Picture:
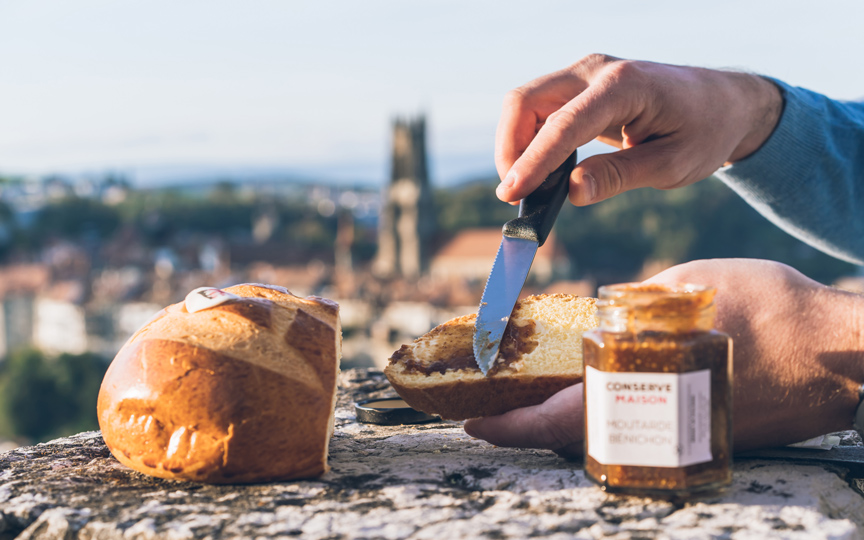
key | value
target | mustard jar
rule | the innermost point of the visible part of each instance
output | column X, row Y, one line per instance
column 658, row 392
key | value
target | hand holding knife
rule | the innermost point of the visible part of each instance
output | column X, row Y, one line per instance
column 522, row 237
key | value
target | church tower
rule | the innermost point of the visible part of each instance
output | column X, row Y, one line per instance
column 407, row 219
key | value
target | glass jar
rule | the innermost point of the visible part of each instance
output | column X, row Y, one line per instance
column 658, row 392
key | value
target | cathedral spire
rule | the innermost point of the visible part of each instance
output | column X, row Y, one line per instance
column 407, row 220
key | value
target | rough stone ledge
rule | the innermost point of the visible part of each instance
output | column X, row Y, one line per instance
column 424, row 481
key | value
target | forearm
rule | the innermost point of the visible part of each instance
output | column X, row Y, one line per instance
column 808, row 177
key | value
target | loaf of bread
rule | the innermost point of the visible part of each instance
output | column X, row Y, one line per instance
column 230, row 386
column 540, row 354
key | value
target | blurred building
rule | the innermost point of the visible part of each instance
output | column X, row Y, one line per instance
column 470, row 254
column 59, row 326
column 57, row 316
column 407, row 217
column 20, row 285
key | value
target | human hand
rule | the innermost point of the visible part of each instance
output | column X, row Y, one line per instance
column 675, row 125
column 556, row 424
column 798, row 349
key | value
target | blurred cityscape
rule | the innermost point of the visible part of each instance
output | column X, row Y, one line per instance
column 87, row 260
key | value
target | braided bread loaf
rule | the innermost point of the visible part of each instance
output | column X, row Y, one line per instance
column 242, row 390
column 540, row 354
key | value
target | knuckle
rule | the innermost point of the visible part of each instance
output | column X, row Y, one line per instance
column 624, row 70
column 683, row 273
column 594, row 61
column 616, row 171
column 532, row 160
column 561, row 120
column 688, row 272
column 555, row 434
column 516, row 98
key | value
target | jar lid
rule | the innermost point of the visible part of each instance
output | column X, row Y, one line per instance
column 646, row 293
column 389, row 412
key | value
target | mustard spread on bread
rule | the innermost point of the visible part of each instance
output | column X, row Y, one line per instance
column 540, row 354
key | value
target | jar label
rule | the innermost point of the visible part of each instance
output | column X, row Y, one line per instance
column 648, row 419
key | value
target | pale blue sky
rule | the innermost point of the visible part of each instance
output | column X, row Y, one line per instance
column 140, row 85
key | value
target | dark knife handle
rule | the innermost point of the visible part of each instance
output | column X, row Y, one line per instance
column 539, row 210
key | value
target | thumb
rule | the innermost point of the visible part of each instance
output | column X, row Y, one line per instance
column 555, row 424
column 652, row 164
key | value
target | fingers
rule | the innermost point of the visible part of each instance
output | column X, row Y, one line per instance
column 545, row 108
column 526, row 108
column 572, row 125
column 556, row 424
column 596, row 111
column 520, row 120
column 672, row 123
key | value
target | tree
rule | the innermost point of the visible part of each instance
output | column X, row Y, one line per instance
column 73, row 217
column 42, row 397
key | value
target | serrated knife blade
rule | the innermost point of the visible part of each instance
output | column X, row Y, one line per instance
column 513, row 262
column 521, row 239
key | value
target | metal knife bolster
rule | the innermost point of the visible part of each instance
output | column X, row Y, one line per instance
column 539, row 210
column 522, row 237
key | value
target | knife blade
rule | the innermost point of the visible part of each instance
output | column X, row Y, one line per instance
column 520, row 240
column 851, row 457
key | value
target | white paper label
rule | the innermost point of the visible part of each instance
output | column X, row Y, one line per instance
column 206, row 298
column 648, row 419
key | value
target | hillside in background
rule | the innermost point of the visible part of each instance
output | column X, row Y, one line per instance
column 616, row 240
column 648, row 229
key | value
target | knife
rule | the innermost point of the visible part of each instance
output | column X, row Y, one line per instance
column 851, row 457
column 521, row 238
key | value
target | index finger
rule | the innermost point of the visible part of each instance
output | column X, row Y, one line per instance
column 524, row 111
column 527, row 107
column 590, row 114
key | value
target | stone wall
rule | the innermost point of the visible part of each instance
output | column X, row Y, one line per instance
column 422, row 481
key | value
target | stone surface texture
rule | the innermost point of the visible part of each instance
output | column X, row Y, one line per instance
column 423, row 481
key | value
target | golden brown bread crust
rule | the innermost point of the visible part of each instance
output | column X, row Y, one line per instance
column 463, row 399
column 541, row 354
column 242, row 392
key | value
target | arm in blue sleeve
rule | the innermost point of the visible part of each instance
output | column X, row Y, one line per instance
column 808, row 177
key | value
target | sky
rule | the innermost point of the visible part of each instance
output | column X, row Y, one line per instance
column 160, row 89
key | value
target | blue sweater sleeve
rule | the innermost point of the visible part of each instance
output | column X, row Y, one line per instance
column 808, row 177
